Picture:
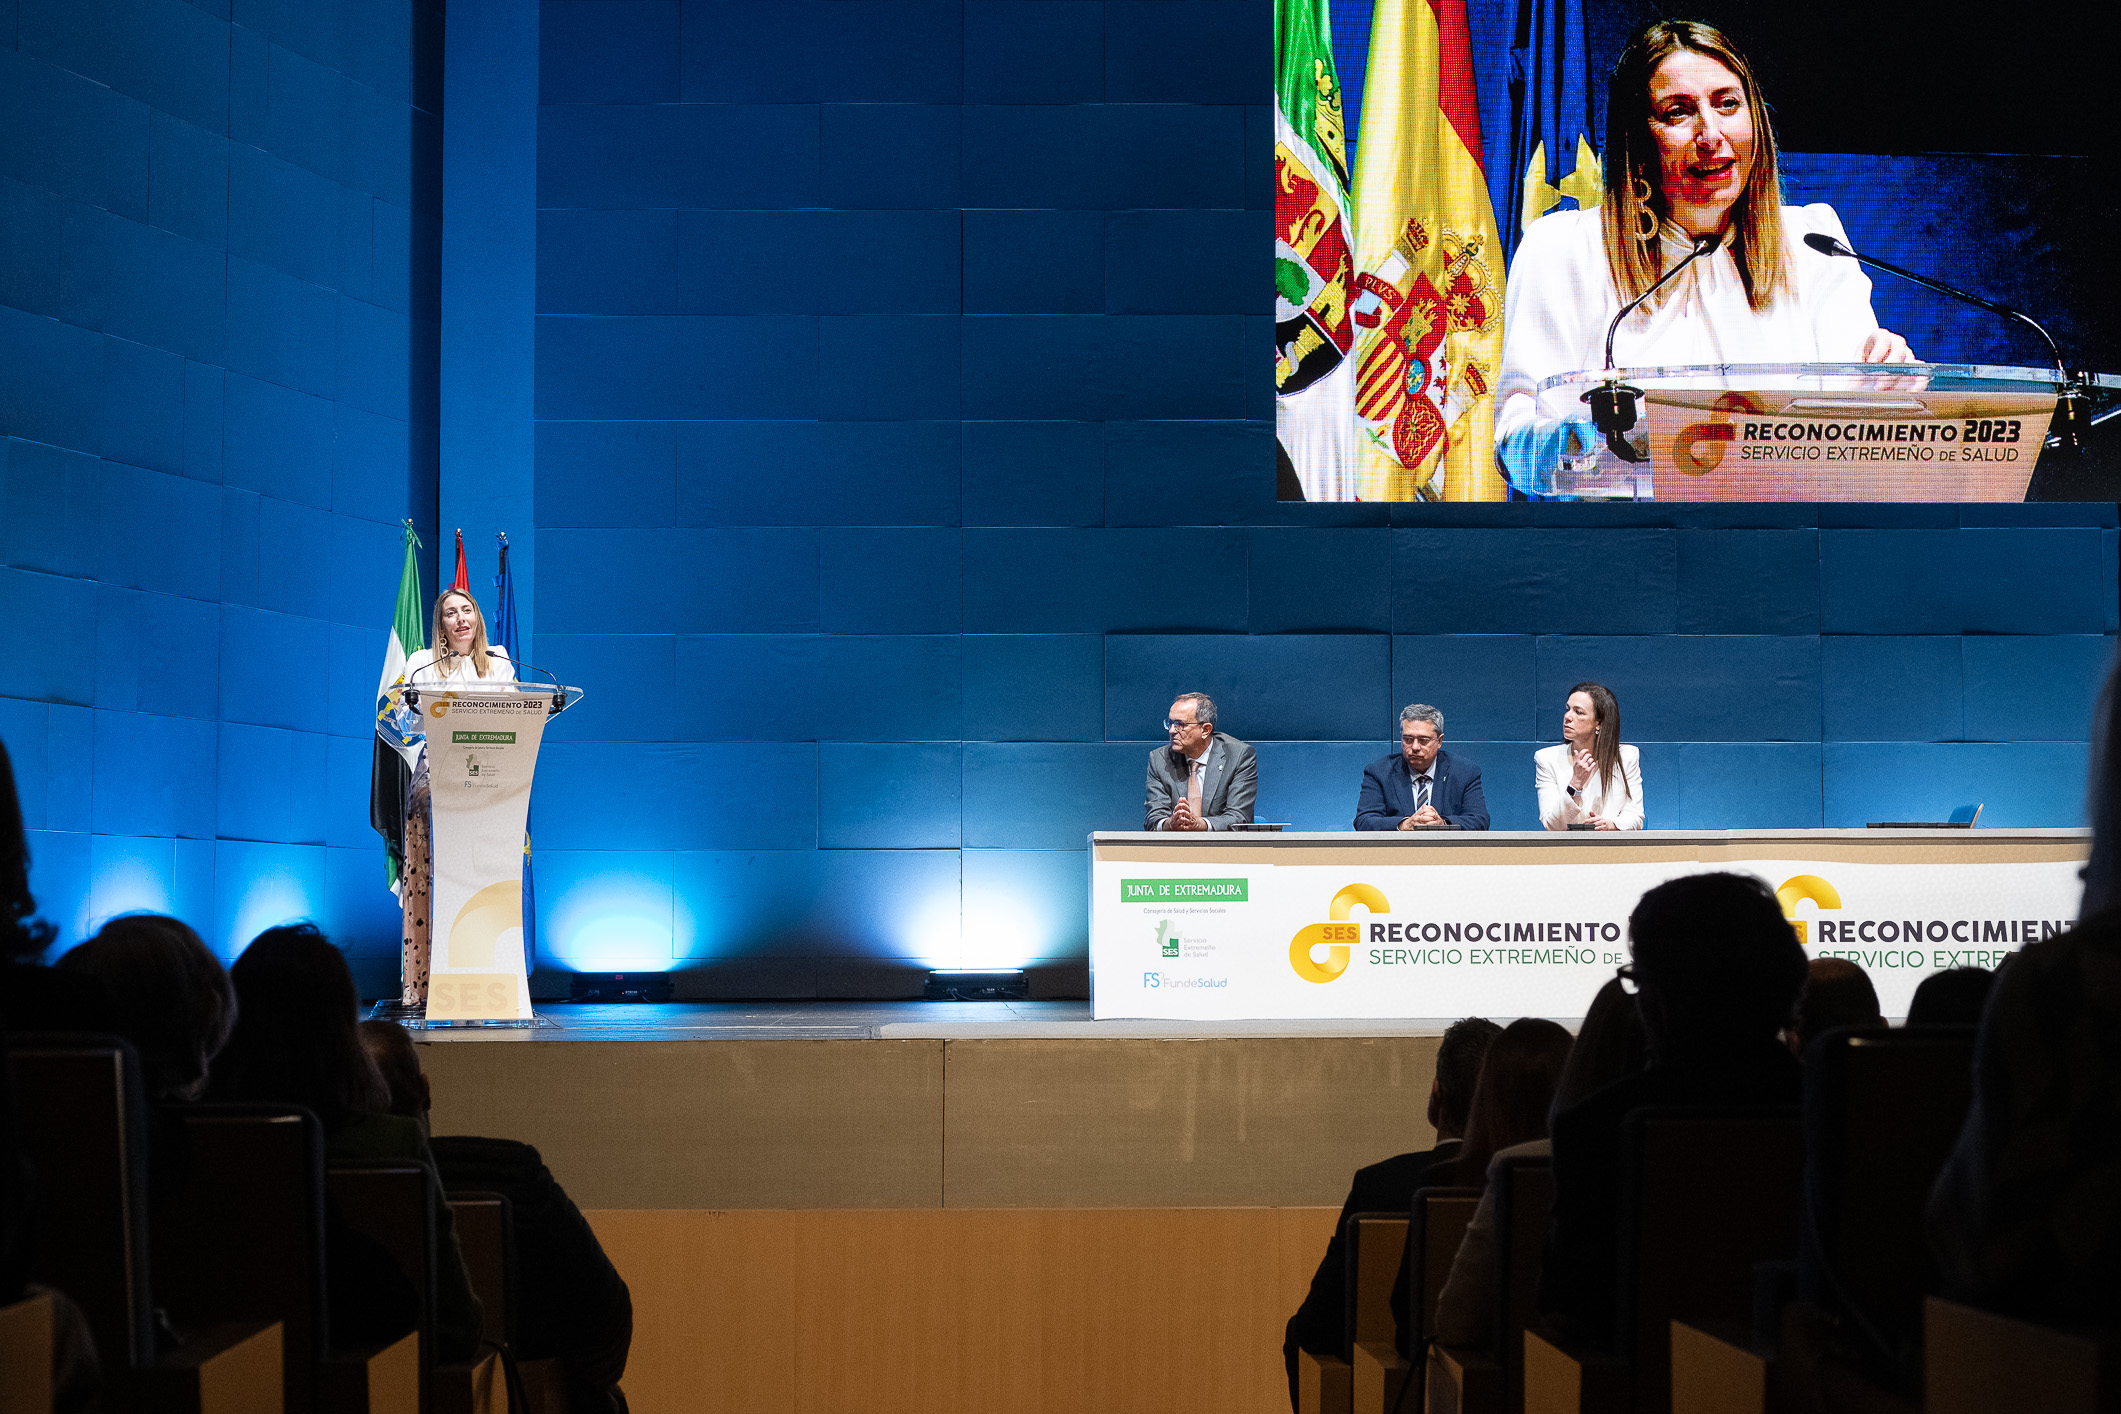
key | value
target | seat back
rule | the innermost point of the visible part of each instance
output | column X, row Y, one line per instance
column 392, row 1204
column 1375, row 1242
column 1524, row 1202
column 1883, row 1109
column 242, row 1237
column 1436, row 1227
column 82, row 1117
column 1705, row 1193
column 486, row 1235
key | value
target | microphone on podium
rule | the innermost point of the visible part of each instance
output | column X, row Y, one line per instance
column 2072, row 408
column 1613, row 402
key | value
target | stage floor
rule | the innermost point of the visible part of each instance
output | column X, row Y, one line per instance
column 891, row 1021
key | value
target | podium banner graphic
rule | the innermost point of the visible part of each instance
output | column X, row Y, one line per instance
column 1743, row 445
column 482, row 751
column 1226, row 941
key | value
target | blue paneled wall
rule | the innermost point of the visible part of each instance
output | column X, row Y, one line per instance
column 217, row 331
column 902, row 441
column 904, row 444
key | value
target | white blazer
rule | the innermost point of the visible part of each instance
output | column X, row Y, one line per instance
column 1621, row 802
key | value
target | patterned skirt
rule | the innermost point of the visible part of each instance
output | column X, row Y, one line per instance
column 416, row 890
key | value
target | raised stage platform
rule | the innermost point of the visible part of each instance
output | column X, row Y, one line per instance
column 947, row 1205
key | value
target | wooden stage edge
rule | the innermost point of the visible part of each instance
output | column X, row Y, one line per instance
column 1034, row 1213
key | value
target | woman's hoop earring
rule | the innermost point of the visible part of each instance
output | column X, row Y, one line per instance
column 1645, row 218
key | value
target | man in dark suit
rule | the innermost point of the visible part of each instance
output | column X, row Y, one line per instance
column 1205, row 779
column 1319, row 1325
column 1423, row 785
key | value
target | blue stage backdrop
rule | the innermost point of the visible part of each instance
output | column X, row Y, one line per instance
column 217, row 375
column 902, row 443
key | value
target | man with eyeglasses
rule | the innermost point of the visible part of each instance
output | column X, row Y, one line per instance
column 1205, row 779
column 1421, row 787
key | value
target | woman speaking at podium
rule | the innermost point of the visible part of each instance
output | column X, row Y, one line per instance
column 461, row 660
column 1592, row 779
column 1689, row 154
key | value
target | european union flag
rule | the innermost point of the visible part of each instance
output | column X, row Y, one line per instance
column 504, row 633
column 1553, row 158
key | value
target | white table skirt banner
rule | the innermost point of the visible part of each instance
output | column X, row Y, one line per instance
column 482, row 750
column 1213, row 942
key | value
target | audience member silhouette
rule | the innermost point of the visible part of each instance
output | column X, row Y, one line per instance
column 1836, row 993
column 571, row 1302
column 32, row 997
column 1517, row 1083
column 1319, row 1324
column 1718, row 972
column 295, row 1043
column 164, row 992
column 1609, row 1045
column 1953, row 997
column 2025, row 1217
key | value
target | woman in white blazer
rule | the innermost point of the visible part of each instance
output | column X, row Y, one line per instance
column 1591, row 778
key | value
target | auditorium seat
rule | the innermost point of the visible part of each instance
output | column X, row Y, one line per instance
column 1977, row 1362
column 1882, row 1110
column 1375, row 1244
column 243, row 1239
column 1705, row 1194
column 26, row 1355
column 394, row 1204
column 1324, row 1384
column 486, row 1235
column 83, row 1120
column 1491, row 1377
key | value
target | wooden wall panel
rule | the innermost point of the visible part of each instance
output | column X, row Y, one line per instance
column 1107, row 1311
column 1246, row 1122
column 726, row 1124
column 1093, row 1123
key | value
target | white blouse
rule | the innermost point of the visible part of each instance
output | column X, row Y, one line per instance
column 458, row 675
column 1619, row 800
column 1559, row 298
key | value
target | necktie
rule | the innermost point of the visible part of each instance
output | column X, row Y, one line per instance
column 1193, row 787
column 1421, row 793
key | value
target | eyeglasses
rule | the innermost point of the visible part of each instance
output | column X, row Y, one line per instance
column 1626, row 973
column 1416, row 740
column 1172, row 724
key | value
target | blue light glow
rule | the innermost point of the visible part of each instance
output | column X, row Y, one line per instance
column 605, row 922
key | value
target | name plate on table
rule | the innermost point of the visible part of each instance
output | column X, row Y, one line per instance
column 1761, row 445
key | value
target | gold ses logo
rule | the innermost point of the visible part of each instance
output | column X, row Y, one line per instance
column 1797, row 890
column 1339, row 936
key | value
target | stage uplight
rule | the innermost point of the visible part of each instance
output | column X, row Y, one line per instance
column 967, row 984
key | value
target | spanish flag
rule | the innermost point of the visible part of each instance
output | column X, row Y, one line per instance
column 1428, row 311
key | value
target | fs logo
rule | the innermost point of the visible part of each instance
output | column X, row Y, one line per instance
column 1339, row 936
column 1797, row 890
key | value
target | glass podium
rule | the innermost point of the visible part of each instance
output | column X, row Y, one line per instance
column 1822, row 432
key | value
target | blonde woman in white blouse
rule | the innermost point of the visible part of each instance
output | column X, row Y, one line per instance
column 460, row 659
column 1592, row 778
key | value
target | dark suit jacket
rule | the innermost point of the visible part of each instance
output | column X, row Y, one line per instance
column 1388, row 793
column 1226, row 790
column 1319, row 1325
column 1579, row 1278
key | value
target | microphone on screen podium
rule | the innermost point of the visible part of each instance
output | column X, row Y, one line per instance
column 2072, row 409
column 1613, row 402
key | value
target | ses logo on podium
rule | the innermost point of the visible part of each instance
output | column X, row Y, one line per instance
column 1439, row 941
